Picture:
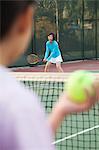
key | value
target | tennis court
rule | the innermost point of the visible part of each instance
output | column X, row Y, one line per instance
column 75, row 24
column 92, row 65
column 79, row 131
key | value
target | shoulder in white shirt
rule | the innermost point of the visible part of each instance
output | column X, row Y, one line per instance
column 23, row 124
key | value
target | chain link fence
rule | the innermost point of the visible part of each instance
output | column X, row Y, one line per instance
column 75, row 24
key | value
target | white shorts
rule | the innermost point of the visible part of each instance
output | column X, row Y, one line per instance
column 56, row 60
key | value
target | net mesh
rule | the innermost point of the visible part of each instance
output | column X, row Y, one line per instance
column 78, row 131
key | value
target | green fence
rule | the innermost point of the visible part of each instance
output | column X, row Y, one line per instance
column 75, row 24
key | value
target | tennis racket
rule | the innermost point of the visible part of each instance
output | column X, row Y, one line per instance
column 33, row 59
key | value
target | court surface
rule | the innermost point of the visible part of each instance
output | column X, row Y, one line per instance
column 67, row 66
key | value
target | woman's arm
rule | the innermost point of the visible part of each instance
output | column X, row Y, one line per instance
column 51, row 55
column 46, row 52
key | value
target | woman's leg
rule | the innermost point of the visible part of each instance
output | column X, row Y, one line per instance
column 59, row 68
column 46, row 69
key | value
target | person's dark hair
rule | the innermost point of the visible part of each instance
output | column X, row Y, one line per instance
column 10, row 9
column 52, row 35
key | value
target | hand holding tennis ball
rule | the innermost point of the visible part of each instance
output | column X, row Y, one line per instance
column 76, row 85
column 79, row 95
column 75, row 98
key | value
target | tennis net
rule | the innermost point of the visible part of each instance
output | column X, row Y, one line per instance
column 78, row 131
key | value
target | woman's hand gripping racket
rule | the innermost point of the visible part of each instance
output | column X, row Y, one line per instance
column 33, row 59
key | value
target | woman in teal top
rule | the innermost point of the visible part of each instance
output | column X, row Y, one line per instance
column 52, row 54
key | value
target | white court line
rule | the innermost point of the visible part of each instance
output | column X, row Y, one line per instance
column 74, row 135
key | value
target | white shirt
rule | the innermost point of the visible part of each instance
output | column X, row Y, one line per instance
column 22, row 121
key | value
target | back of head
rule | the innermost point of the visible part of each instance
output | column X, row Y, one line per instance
column 10, row 10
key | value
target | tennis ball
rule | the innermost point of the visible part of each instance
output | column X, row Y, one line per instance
column 76, row 85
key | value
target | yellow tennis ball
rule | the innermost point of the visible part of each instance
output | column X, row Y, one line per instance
column 76, row 85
